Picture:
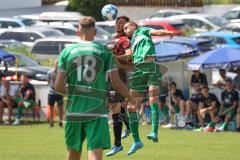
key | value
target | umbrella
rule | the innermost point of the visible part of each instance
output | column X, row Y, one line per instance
column 219, row 58
column 171, row 51
column 5, row 56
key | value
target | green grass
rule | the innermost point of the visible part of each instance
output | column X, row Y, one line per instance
column 38, row 142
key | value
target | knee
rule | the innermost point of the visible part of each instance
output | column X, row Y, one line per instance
column 188, row 103
column 182, row 102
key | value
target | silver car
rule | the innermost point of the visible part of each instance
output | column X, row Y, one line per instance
column 29, row 35
column 51, row 47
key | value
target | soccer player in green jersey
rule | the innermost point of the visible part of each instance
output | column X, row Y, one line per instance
column 82, row 76
column 146, row 77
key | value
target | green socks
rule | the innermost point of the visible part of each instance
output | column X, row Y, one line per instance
column 133, row 122
column 224, row 126
column 155, row 117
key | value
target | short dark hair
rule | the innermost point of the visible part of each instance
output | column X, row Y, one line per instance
column 173, row 84
column 87, row 22
column 127, row 19
column 222, row 70
column 133, row 23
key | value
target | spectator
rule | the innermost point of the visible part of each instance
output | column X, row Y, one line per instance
column 53, row 96
column 236, row 80
column 198, row 79
column 7, row 101
column 222, row 81
column 208, row 104
column 26, row 99
column 228, row 109
column 192, row 104
column 177, row 102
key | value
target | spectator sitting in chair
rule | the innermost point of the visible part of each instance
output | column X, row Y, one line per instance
column 208, row 105
column 177, row 101
column 27, row 98
column 192, row 104
column 228, row 109
column 198, row 79
column 7, row 101
column 221, row 83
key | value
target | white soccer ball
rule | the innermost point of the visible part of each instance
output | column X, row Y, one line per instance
column 109, row 12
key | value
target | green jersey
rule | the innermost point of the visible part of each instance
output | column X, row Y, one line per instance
column 142, row 45
column 85, row 66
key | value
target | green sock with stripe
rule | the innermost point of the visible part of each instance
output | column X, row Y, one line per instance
column 224, row 125
column 133, row 122
column 155, row 117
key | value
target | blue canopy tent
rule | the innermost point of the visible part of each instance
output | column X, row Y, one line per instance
column 219, row 58
column 5, row 56
column 170, row 52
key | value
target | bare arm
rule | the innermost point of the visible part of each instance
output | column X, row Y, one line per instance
column 213, row 106
column 60, row 83
column 127, row 56
column 161, row 33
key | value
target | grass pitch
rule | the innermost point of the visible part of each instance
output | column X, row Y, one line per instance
column 39, row 142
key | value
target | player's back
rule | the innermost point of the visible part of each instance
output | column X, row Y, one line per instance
column 86, row 65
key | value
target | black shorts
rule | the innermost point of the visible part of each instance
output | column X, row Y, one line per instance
column 114, row 96
column 52, row 98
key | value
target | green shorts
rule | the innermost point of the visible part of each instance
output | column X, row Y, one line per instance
column 176, row 108
column 145, row 74
column 27, row 103
column 230, row 113
column 96, row 132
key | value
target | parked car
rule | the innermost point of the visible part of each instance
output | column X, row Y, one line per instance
column 161, row 24
column 70, row 29
column 231, row 27
column 167, row 13
column 221, row 39
column 51, row 47
column 199, row 44
column 107, row 25
column 11, row 44
column 65, row 16
column 29, row 35
column 233, row 15
column 15, row 22
column 26, row 66
column 201, row 22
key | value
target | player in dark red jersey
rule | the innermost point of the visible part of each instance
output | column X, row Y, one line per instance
column 120, row 45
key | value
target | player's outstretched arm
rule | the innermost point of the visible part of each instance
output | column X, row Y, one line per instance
column 161, row 32
column 120, row 86
column 60, row 83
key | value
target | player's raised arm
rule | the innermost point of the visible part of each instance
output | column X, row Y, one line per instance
column 161, row 32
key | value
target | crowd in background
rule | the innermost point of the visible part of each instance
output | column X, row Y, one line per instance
column 206, row 107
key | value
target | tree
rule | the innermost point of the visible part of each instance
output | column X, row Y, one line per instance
column 87, row 7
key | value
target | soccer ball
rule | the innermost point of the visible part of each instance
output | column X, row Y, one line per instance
column 109, row 12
